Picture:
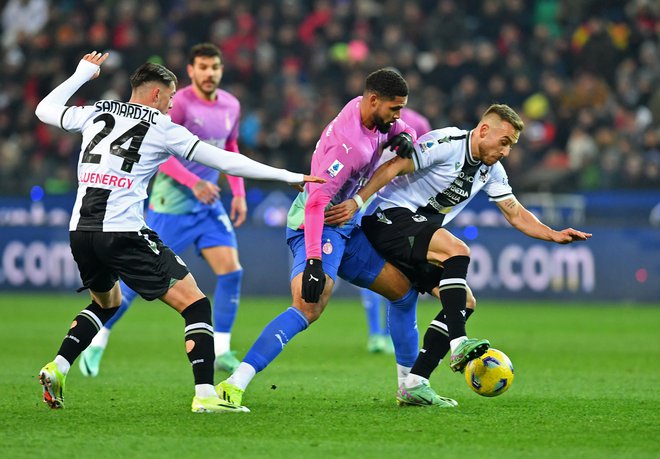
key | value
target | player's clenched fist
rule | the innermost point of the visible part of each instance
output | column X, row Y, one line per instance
column 401, row 144
column 313, row 281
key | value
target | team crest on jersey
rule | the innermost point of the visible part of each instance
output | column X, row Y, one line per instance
column 423, row 146
column 334, row 168
column 419, row 218
column 327, row 247
column 483, row 175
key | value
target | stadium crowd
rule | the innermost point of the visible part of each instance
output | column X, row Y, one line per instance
column 585, row 75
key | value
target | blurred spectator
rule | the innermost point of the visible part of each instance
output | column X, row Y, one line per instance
column 585, row 74
column 22, row 19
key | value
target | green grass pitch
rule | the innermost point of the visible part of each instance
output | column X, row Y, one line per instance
column 586, row 386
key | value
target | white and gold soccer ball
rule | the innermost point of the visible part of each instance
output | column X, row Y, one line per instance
column 491, row 374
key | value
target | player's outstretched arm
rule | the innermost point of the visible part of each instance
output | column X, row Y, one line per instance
column 343, row 212
column 242, row 166
column 526, row 222
column 203, row 190
column 50, row 109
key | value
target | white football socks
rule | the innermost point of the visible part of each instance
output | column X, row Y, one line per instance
column 101, row 338
column 414, row 380
column 62, row 364
column 242, row 376
column 221, row 342
column 205, row 390
column 401, row 373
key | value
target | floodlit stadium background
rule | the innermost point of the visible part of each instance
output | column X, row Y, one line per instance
column 583, row 74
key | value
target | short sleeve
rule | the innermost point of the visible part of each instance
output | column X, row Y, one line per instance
column 497, row 187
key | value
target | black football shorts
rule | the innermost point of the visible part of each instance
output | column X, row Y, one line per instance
column 402, row 237
column 139, row 258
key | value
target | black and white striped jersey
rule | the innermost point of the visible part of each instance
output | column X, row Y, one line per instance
column 445, row 179
column 123, row 144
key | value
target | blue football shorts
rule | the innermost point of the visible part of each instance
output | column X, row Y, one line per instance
column 352, row 258
column 208, row 228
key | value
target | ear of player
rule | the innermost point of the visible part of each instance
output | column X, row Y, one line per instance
column 402, row 145
column 313, row 281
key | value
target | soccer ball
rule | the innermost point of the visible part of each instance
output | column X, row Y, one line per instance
column 491, row 374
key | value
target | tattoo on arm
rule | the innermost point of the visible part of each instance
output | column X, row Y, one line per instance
column 510, row 203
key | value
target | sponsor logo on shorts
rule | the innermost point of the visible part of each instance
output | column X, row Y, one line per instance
column 419, row 218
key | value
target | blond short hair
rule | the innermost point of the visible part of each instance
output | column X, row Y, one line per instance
column 506, row 113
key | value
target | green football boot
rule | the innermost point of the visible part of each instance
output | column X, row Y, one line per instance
column 422, row 395
column 90, row 360
column 469, row 349
column 376, row 344
column 229, row 393
column 215, row 405
column 227, row 362
column 52, row 380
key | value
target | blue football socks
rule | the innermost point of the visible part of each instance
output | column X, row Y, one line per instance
column 225, row 300
column 402, row 321
column 274, row 337
column 371, row 302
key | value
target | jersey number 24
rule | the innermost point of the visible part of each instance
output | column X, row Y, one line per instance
column 131, row 156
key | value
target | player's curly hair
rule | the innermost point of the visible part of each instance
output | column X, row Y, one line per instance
column 148, row 72
column 387, row 84
column 205, row 50
column 506, row 113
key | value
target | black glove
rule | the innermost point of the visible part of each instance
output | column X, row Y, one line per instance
column 402, row 144
column 313, row 281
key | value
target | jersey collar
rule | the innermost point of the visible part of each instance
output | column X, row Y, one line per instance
column 468, row 151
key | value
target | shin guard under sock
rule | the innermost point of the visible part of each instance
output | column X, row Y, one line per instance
column 84, row 327
column 453, row 294
column 198, row 336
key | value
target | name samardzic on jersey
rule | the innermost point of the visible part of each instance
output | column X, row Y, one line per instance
column 134, row 111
